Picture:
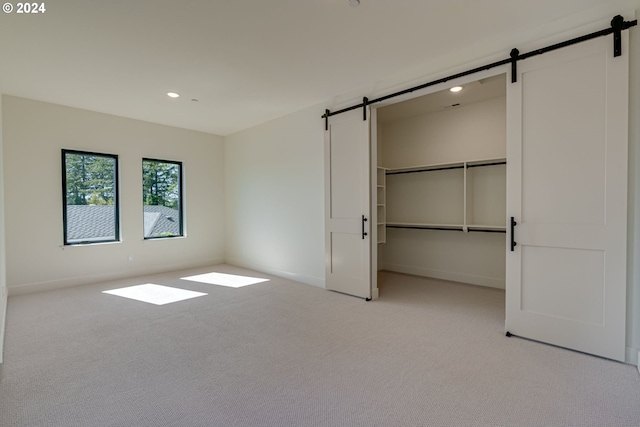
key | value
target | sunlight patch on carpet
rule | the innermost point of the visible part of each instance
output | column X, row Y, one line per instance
column 154, row 294
column 221, row 279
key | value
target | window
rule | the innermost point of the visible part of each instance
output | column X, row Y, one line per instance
column 90, row 197
column 162, row 198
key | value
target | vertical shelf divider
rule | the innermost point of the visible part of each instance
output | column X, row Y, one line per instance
column 381, row 202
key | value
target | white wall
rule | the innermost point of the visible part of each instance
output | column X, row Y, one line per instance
column 275, row 197
column 34, row 134
column 470, row 132
column 3, row 266
column 474, row 131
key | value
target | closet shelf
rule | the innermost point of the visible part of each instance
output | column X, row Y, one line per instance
column 381, row 211
column 447, row 192
column 447, row 166
column 455, row 227
column 486, row 162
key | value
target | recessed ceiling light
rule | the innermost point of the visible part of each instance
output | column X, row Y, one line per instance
column 456, row 89
column 173, row 94
column 354, row 3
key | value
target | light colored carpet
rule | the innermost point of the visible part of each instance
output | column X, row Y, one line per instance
column 280, row 353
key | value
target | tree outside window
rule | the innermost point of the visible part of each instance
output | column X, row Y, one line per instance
column 162, row 198
column 90, row 193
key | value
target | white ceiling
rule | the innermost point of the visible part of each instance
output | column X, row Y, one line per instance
column 247, row 61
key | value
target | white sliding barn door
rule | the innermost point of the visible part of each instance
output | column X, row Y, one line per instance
column 567, row 190
column 347, row 207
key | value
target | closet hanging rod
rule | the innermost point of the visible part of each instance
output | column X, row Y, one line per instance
column 424, row 170
column 424, row 228
column 477, row 230
column 486, row 164
column 618, row 24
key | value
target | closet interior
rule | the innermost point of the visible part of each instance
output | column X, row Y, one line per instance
column 441, row 184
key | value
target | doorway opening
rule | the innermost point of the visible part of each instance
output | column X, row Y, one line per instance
column 439, row 192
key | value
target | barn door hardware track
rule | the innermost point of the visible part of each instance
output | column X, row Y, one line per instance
column 618, row 24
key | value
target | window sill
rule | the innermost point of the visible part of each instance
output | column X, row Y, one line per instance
column 164, row 238
column 85, row 244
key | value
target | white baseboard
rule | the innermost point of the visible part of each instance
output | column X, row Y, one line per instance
column 3, row 327
column 302, row 278
column 631, row 357
column 446, row 275
column 69, row 282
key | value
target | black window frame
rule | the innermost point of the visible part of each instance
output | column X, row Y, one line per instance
column 180, row 196
column 116, row 192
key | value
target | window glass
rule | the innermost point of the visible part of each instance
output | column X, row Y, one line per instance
column 90, row 192
column 162, row 198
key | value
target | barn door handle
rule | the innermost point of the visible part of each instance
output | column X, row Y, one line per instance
column 364, row 233
column 513, row 226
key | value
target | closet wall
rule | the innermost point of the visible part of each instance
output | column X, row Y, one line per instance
column 457, row 196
